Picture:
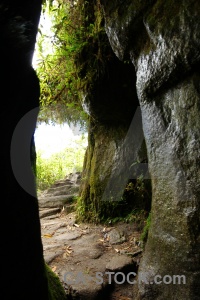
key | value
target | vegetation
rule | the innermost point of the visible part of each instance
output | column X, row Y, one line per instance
column 58, row 165
column 145, row 232
column 56, row 290
column 134, row 205
column 73, row 60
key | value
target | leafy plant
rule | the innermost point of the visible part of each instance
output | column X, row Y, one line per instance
column 58, row 165
column 74, row 60
column 56, row 69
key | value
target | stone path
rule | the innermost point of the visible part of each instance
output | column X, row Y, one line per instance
column 60, row 196
column 84, row 255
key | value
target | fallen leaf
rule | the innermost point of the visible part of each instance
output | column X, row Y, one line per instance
column 76, row 225
column 54, row 268
column 69, row 247
column 117, row 250
column 68, row 251
column 47, row 235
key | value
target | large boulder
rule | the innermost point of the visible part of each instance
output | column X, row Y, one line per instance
column 163, row 41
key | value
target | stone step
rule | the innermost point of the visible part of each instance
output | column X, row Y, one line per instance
column 62, row 182
column 48, row 212
column 63, row 190
column 55, row 201
column 74, row 177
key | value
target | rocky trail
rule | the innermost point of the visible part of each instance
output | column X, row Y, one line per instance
column 92, row 261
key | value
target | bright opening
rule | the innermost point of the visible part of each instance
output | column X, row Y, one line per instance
column 60, row 144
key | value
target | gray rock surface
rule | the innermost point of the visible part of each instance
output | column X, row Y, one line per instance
column 119, row 262
column 163, row 41
column 116, row 237
column 71, row 249
column 55, row 201
column 68, row 236
column 49, row 212
column 76, row 252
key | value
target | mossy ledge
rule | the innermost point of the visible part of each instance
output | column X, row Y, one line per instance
column 56, row 290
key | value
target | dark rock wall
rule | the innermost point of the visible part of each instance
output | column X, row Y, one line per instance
column 163, row 41
column 23, row 274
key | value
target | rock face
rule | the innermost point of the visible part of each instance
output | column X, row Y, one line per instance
column 115, row 139
column 163, row 41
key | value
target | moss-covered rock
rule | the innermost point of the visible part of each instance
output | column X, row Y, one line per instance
column 111, row 101
column 56, row 290
column 99, row 162
column 110, row 163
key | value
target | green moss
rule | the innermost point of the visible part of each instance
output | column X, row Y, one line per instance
column 97, row 170
column 56, row 290
column 145, row 232
column 94, row 205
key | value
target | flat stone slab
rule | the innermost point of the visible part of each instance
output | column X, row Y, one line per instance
column 48, row 212
column 62, row 182
column 54, row 201
column 68, row 236
column 119, row 262
column 88, row 247
column 59, row 190
column 62, row 190
column 85, row 284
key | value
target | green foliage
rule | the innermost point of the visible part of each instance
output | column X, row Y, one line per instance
column 134, row 216
column 74, row 60
column 56, row 71
column 138, row 189
column 145, row 232
column 58, row 165
column 132, row 207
